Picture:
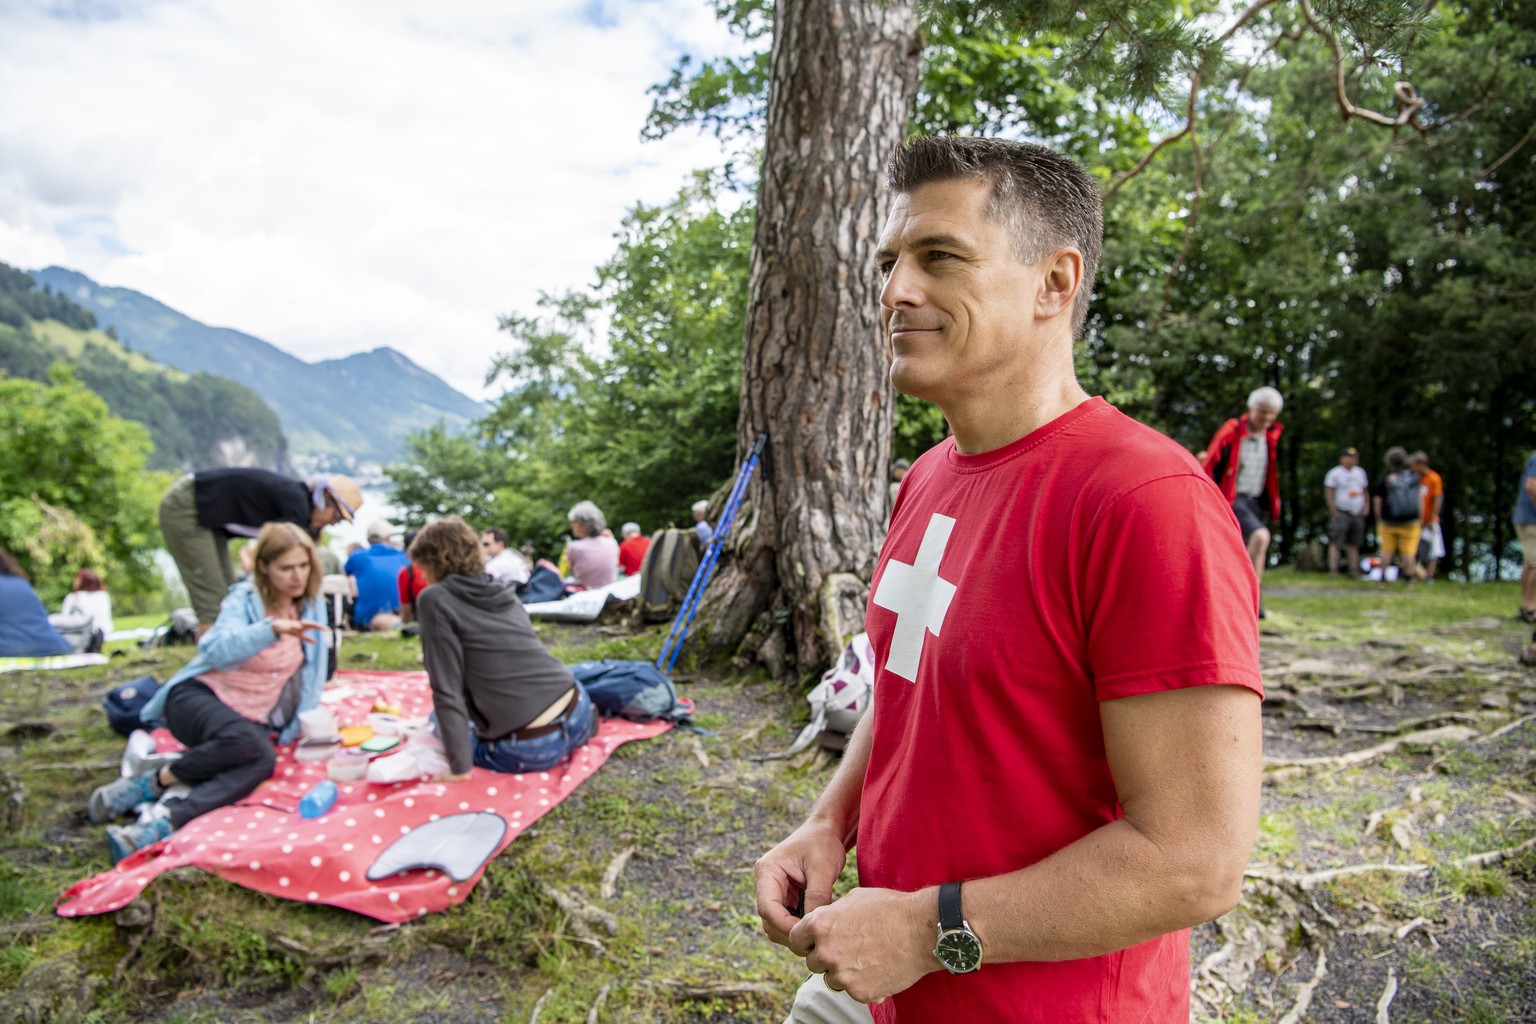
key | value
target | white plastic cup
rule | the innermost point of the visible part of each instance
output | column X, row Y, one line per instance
column 317, row 724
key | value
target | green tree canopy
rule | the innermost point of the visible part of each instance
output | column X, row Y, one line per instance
column 74, row 492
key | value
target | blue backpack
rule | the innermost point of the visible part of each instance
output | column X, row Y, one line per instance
column 636, row 690
column 123, row 704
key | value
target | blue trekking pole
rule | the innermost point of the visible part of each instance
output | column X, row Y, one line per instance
column 684, row 619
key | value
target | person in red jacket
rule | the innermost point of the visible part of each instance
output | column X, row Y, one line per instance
column 632, row 549
column 1241, row 459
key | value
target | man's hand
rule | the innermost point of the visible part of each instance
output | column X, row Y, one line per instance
column 795, row 878
column 872, row 943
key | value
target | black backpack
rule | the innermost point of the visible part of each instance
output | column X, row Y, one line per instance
column 666, row 573
column 1401, row 490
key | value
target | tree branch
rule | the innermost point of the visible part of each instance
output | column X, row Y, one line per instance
column 1511, row 152
column 1407, row 100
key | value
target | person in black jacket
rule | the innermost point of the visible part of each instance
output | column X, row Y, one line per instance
column 502, row 701
column 203, row 510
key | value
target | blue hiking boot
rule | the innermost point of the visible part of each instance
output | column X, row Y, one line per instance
column 116, row 799
column 123, row 840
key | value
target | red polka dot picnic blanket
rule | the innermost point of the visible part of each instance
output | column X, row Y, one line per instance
column 425, row 844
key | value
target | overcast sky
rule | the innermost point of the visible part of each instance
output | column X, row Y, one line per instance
column 335, row 176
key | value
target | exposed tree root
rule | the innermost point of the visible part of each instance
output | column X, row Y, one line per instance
column 610, row 883
column 1309, row 880
column 1501, row 730
column 683, row 990
column 538, row 1007
column 1304, row 995
column 582, row 917
column 597, row 1005
column 1286, row 767
column 1387, row 995
column 1306, row 881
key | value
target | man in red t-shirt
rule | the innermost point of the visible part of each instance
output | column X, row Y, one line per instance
column 632, row 549
column 410, row 583
column 1066, row 711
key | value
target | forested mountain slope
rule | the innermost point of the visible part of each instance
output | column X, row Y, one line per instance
column 361, row 406
column 195, row 420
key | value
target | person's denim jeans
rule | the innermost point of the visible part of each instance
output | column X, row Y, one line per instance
column 514, row 756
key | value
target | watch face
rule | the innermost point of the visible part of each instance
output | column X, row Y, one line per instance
column 958, row 950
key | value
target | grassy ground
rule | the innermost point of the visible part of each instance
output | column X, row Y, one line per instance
column 1349, row 666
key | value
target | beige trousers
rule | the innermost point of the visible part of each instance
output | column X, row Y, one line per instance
column 817, row 1004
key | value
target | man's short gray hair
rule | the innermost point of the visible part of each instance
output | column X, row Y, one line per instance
column 629, row 529
column 588, row 515
column 1045, row 200
column 1267, row 398
column 700, row 506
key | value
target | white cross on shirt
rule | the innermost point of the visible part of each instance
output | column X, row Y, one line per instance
column 918, row 596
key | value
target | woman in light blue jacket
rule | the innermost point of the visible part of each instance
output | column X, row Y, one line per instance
column 256, row 669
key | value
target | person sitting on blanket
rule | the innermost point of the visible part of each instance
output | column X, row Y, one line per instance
column 261, row 664
column 594, row 554
column 24, row 628
column 502, row 701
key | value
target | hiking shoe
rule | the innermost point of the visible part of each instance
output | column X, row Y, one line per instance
column 123, row 840
column 116, row 799
column 1526, row 615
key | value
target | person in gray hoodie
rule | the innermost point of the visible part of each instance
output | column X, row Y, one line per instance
column 502, row 701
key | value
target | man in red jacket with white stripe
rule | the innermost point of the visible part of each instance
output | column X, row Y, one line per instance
column 1241, row 459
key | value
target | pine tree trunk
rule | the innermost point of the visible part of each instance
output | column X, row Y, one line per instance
column 843, row 80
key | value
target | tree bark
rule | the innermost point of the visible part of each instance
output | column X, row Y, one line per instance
column 843, row 80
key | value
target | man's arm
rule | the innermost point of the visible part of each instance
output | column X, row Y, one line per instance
column 1530, row 486
column 799, row 872
column 1333, row 505
column 1187, row 767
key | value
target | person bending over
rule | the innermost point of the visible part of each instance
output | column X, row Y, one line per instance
column 261, row 664
column 502, row 701
column 204, row 510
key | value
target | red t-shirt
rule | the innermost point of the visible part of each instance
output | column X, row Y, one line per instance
column 410, row 583
column 1090, row 560
column 632, row 554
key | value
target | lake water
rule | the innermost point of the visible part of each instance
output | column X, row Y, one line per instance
column 376, row 506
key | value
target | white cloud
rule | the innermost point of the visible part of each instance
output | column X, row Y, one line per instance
column 334, row 177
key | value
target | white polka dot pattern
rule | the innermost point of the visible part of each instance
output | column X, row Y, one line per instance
column 327, row 858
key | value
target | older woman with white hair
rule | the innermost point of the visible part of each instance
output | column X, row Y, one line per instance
column 1241, row 459
column 593, row 554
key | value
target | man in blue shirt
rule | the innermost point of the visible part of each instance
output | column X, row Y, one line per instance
column 376, row 570
column 1525, row 528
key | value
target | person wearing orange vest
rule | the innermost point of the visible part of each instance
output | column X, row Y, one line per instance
column 1431, row 540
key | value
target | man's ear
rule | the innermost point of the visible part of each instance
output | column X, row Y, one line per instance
column 1061, row 277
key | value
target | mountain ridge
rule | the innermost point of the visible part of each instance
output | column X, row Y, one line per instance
column 354, row 408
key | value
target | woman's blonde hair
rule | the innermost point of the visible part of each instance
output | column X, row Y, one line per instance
column 448, row 546
column 273, row 542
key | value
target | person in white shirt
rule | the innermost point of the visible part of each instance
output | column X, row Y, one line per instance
column 90, row 598
column 1344, row 488
column 501, row 561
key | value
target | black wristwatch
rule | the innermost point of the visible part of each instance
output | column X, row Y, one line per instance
column 959, row 950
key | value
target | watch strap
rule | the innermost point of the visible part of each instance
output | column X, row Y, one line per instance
column 951, row 915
